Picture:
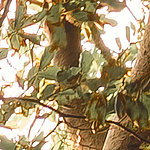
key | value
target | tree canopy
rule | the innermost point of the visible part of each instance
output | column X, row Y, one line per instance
column 102, row 82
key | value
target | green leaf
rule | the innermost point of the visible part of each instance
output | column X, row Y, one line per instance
column 32, row 75
column 91, row 112
column 39, row 137
column 66, row 96
column 20, row 13
column 36, row 39
column 67, row 74
column 3, row 53
column 58, row 38
column 6, row 144
column 48, row 91
column 14, row 41
column 34, row 19
column 86, row 62
column 132, row 109
column 53, row 16
column 143, row 117
column 146, row 102
column 80, row 16
column 94, row 84
column 39, row 146
column 90, row 7
column 50, row 73
column 46, row 58
column 120, row 105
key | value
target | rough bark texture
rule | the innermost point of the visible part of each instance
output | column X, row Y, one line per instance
column 118, row 139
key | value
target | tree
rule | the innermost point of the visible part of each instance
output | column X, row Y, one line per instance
column 87, row 112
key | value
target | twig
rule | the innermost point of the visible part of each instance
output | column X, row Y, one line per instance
column 5, row 12
column 127, row 129
column 44, row 105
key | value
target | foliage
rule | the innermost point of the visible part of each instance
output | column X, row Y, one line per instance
column 55, row 88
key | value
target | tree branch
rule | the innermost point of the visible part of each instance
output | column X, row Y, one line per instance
column 37, row 101
column 127, row 129
column 5, row 12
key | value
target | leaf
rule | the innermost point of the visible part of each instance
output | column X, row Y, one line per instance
column 67, row 74
column 145, row 99
column 32, row 75
column 120, row 105
column 58, row 38
column 128, row 33
column 132, row 109
column 80, row 16
column 39, row 146
column 118, row 43
column 34, row 19
column 14, row 41
column 90, row 7
column 143, row 117
column 94, row 84
column 53, row 15
column 20, row 13
column 3, row 53
column 46, row 58
column 36, row 39
column 66, row 96
column 50, row 73
column 86, row 62
column 6, row 144
column 114, row 6
column 48, row 91
column 39, row 137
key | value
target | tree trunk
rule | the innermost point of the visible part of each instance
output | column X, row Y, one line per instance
column 118, row 139
column 80, row 129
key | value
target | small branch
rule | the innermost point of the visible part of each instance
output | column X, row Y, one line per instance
column 5, row 12
column 130, row 131
column 44, row 105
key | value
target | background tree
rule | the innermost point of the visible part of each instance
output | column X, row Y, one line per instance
column 61, row 84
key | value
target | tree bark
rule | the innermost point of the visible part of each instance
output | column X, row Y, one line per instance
column 118, row 139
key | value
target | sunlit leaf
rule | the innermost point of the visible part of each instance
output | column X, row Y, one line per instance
column 50, row 73
column 46, row 58
column 86, row 62
column 3, row 53
column 58, row 38
column 53, row 15
column 32, row 37
column 80, row 16
column 90, row 7
column 39, row 137
column 20, row 13
column 6, row 144
column 34, row 19
column 14, row 41
column 48, row 91
column 94, row 84
column 66, row 96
